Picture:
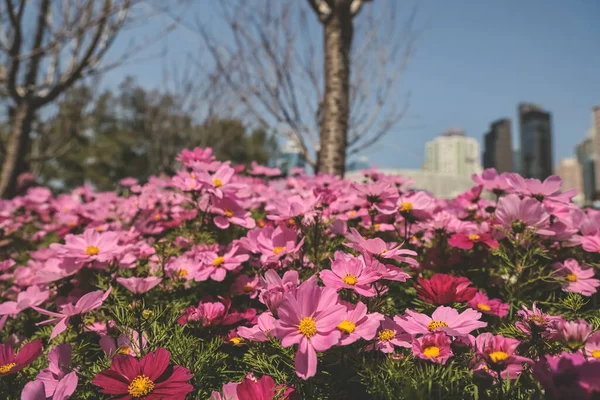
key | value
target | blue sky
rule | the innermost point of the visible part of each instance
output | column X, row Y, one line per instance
column 475, row 61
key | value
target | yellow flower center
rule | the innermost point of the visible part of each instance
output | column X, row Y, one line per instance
column 147, row 313
column 248, row 288
column 572, row 277
column 346, row 326
column 352, row 213
column 377, row 226
column 474, row 237
column 217, row 182
column 433, row 325
column 228, row 213
column 140, row 386
column 307, row 327
column 183, row 272
column 92, row 250
column 5, row 368
column 406, row 206
column 157, row 216
column 291, row 221
column 124, row 349
column 100, row 229
column 484, row 307
column 387, row 335
column 350, row 280
column 218, row 261
column 596, row 353
column 498, row 356
column 278, row 250
column 431, row 351
column 236, row 341
column 537, row 319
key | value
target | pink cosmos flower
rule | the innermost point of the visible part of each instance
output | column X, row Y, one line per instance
column 309, row 319
column 592, row 346
column 481, row 302
column 11, row 363
column 358, row 324
column 33, row 296
column 520, row 214
column 535, row 320
column 89, row 246
column 575, row 333
column 274, row 288
column 247, row 285
column 498, row 353
column 443, row 319
column 258, row 169
column 416, row 206
column 85, row 304
column 216, row 266
column 139, row 285
column 560, row 376
column 490, row 180
column 125, row 344
column 219, row 182
column 288, row 208
column 349, row 272
column 149, row 378
column 379, row 195
column 434, row 347
column 578, row 279
column 444, row 289
column 389, row 335
column 260, row 332
column 197, row 154
column 380, row 249
column 549, row 190
column 230, row 212
column 591, row 244
column 466, row 241
column 207, row 313
column 273, row 244
column 58, row 379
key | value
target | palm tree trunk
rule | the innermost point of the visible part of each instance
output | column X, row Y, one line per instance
column 16, row 148
column 336, row 102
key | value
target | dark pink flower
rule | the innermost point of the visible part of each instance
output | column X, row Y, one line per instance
column 498, row 353
column 443, row 289
column 11, row 363
column 389, row 335
column 578, row 279
column 481, row 302
column 151, row 378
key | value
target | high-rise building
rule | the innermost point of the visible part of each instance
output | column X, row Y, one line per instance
column 536, row 141
column 453, row 154
column 498, row 151
column 586, row 158
column 570, row 171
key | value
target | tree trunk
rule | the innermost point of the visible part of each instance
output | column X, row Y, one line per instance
column 336, row 102
column 16, row 149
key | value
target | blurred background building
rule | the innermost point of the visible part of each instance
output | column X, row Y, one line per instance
column 570, row 171
column 536, row 141
column 453, row 154
column 498, row 152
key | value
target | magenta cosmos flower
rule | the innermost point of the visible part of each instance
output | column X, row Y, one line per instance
column 535, row 320
column 149, row 378
column 498, row 353
column 358, row 324
column 86, row 303
column 229, row 212
column 443, row 319
column 90, row 246
column 434, row 347
column 490, row 180
column 139, row 285
column 251, row 388
column 309, row 319
column 481, row 302
column 11, row 363
column 518, row 214
column 262, row 331
column 591, row 244
column 575, row 333
column 577, row 278
column 349, row 272
column 467, row 240
column 389, row 335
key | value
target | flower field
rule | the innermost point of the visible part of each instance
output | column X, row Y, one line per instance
column 229, row 283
